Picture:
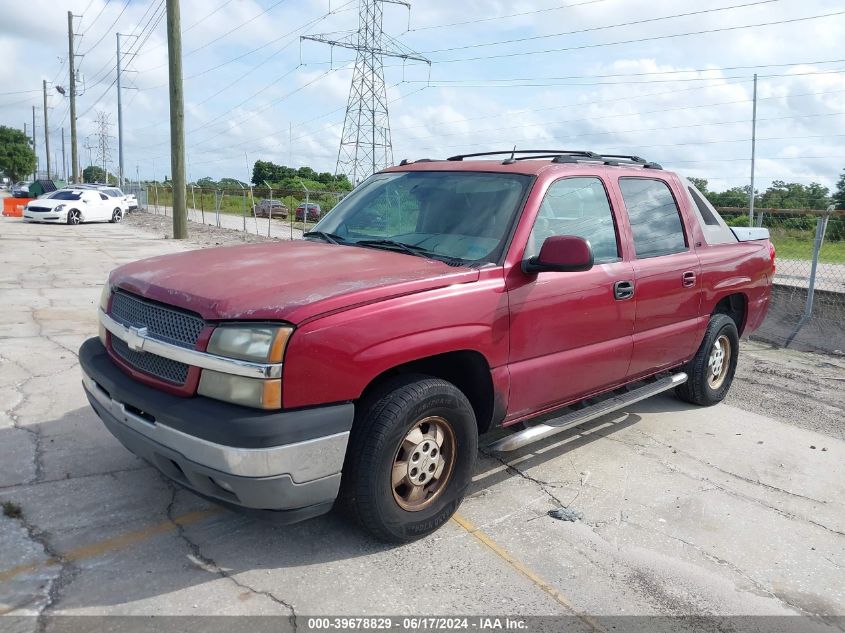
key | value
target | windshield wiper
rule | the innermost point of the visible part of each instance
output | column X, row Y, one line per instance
column 331, row 238
column 410, row 249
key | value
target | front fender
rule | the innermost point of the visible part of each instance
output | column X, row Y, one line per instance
column 334, row 358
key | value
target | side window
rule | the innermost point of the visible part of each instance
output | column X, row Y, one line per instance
column 104, row 196
column 654, row 216
column 576, row 206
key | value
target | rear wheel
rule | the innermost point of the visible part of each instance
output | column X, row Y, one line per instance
column 711, row 372
column 116, row 216
column 410, row 458
column 74, row 217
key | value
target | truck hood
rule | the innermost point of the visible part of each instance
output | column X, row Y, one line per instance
column 286, row 281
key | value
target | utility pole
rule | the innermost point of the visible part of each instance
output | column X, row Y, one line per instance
column 74, row 157
column 365, row 145
column 35, row 173
column 46, row 130
column 119, row 120
column 177, row 121
column 64, row 159
column 753, row 153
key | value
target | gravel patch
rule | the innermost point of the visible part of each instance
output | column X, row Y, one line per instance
column 203, row 235
column 804, row 389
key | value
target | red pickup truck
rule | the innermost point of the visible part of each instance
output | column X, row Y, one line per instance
column 533, row 290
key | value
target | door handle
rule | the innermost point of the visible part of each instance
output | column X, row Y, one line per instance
column 689, row 279
column 623, row 290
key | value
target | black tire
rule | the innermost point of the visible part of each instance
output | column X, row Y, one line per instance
column 74, row 217
column 116, row 216
column 380, row 435
column 702, row 387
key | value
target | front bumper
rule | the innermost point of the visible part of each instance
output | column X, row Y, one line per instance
column 285, row 462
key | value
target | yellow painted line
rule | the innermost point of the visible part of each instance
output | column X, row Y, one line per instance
column 118, row 542
column 523, row 569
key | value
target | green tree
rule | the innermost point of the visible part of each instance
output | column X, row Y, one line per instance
column 17, row 159
column 839, row 194
column 93, row 173
column 700, row 184
column 207, row 183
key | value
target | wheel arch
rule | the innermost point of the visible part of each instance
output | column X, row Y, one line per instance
column 467, row 369
column 736, row 307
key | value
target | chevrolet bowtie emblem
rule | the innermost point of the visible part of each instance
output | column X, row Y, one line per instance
column 135, row 337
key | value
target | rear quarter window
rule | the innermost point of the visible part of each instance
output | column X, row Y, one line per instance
column 654, row 216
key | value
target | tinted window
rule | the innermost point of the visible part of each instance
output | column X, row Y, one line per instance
column 703, row 209
column 104, row 196
column 654, row 216
column 65, row 195
column 465, row 215
column 576, row 206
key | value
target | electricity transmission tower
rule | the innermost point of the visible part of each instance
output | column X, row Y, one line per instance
column 365, row 145
column 103, row 137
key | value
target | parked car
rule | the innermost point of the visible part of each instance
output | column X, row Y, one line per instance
column 21, row 189
column 127, row 203
column 314, row 212
column 74, row 206
column 562, row 284
column 270, row 208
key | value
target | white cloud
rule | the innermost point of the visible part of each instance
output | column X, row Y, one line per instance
column 291, row 94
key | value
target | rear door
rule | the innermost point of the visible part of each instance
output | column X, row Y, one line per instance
column 667, row 274
column 571, row 333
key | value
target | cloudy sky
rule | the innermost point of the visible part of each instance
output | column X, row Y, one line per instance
column 670, row 80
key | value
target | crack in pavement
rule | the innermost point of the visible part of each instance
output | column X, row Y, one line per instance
column 514, row 470
column 212, row 566
column 67, row 571
column 106, row 473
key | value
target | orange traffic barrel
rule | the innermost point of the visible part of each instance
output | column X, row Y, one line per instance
column 13, row 207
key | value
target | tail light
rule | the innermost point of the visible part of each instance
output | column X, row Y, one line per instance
column 772, row 256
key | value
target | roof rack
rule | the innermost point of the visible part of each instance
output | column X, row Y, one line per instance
column 563, row 156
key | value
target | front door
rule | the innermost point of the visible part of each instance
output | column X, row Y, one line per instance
column 571, row 333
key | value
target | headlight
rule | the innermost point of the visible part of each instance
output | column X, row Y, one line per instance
column 261, row 344
column 257, row 344
column 59, row 207
column 249, row 392
column 105, row 295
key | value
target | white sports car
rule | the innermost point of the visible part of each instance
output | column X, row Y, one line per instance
column 74, row 206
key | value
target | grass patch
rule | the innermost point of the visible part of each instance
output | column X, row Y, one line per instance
column 12, row 510
column 790, row 247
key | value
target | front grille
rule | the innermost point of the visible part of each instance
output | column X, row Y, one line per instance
column 170, row 325
column 167, row 324
column 39, row 209
column 158, row 366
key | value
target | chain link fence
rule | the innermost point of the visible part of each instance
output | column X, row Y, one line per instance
column 807, row 309
column 276, row 213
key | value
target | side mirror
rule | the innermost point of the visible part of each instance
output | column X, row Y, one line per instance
column 561, row 253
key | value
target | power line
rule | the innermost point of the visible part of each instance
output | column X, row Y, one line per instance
column 449, row 84
column 503, row 17
column 641, row 39
column 110, row 27
column 637, row 74
column 602, row 28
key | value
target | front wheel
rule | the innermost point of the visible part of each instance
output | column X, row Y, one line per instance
column 116, row 216
column 74, row 217
column 711, row 372
column 410, row 458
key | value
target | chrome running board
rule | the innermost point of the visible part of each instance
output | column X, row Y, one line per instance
column 574, row 418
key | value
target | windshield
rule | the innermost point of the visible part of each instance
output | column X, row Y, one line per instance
column 66, row 195
column 456, row 215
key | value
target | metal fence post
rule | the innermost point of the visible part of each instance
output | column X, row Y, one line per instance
column 202, row 206
column 194, row 200
column 821, row 228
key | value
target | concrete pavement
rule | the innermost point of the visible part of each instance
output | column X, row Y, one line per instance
column 686, row 511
